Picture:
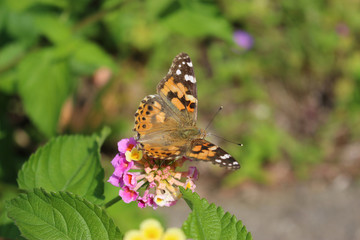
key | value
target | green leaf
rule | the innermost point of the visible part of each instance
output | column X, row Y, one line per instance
column 197, row 23
column 20, row 25
column 207, row 221
column 10, row 53
column 8, row 82
column 44, row 84
column 46, row 25
column 62, row 215
column 67, row 163
column 3, row 15
column 8, row 230
column 20, row 6
column 105, row 132
column 89, row 56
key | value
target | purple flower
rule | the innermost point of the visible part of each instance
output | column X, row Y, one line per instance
column 126, row 144
column 342, row 29
column 128, row 195
column 243, row 39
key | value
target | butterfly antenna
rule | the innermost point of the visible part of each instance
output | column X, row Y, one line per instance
column 239, row 144
column 212, row 119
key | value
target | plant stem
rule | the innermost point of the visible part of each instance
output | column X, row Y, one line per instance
column 112, row 201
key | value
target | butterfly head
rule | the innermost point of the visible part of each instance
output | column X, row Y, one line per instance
column 202, row 133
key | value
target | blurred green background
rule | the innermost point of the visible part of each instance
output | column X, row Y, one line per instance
column 287, row 73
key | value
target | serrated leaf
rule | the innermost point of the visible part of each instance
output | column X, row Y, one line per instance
column 67, row 163
column 63, row 215
column 207, row 221
column 44, row 84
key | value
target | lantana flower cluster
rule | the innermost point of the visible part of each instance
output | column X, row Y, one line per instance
column 151, row 182
column 151, row 229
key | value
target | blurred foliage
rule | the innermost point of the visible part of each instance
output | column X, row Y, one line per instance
column 74, row 66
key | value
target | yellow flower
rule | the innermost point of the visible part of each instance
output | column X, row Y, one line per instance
column 174, row 234
column 133, row 155
column 151, row 229
column 133, row 235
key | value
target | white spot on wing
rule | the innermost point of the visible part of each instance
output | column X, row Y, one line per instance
column 235, row 163
column 189, row 64
column 178, row 72
column 218, row 160
column 190, row 78
column 225, row 156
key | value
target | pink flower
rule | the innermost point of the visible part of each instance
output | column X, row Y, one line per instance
column 193, row 173
column 128, row 195
column 142, row 201
column 116, row 181
column 116, row 160
column 126, row 144
column 146, row 200
column 124, row 165
column 151, row 182
column 130, row 179
column 120, row 164
column 190, row 184
column 151, row 202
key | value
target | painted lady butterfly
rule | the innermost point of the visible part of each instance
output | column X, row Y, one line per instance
column 166, row 122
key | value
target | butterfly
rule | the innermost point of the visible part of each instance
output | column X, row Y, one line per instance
column 165, row 123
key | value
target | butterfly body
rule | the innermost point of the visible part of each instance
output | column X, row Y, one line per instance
column 166, row 122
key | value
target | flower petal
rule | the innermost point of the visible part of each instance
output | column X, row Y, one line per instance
column 128, row 195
